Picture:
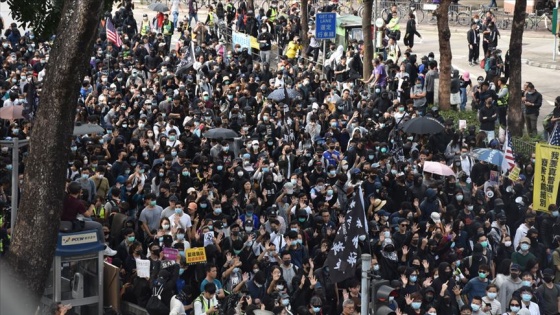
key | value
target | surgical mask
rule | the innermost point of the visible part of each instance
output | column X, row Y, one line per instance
column 316, row 309
column 416, row 305
column 178, row 210
column 524, row 247
column 240, row 173
column 153, row 203
column 186, row 173
column 173, row 153
column 484, row 244
column 507, row 243
column 293, row 181
column 285, row 302
column 492, row 295
column 526, row 297
column 376, row 267
column 131, row 239
column 165, row 226
column 85, row 176
column 248, row 229
column 459, row 197
column 470, row 208
column 219, row 167
column 387, row 234
column 413, row 278
column 362, row 238
column 525, row 283
column 482, row 275
column 218, row 210
column 475, row 307
column 330, row 192
column 181, row 236
column 172, row 138
column 515, row 309
column 555, row 213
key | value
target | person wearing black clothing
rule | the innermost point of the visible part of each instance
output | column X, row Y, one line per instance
column 474, row 44
column 410, row 31
column 532, row 100
column 487, row 116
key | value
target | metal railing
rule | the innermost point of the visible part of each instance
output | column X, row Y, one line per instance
column 522, row 147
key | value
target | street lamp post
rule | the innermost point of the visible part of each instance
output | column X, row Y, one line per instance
column 366, row 266
column 15, row 144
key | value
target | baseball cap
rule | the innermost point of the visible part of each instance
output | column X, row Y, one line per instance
column 289, row 188
column 525, row 240
column 436, row 217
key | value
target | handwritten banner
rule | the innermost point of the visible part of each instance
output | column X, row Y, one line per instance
column 545, row 183
column 196, row 255
column 243, row 40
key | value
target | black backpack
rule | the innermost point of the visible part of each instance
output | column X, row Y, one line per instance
column 155, row 306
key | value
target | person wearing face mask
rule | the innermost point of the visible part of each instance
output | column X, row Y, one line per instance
column 549, row 293
column 477, row 285
column 413, row 304
column 527, row 295
column 150, row 216
column 523, row 229
column 490, row 303
column 523, row 255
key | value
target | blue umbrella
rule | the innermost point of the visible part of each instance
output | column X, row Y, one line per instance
column 491, row 156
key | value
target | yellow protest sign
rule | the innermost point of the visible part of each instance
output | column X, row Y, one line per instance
column 254, row 43
column 195, row 255
column 546, row 180
column 514, row 173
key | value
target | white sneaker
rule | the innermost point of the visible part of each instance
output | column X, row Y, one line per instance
column 109, row 251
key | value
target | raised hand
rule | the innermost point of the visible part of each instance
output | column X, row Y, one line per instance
column 408, row 299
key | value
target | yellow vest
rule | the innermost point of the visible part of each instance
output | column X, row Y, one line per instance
column 273, row 14
column 145, row 28
column 168, row 28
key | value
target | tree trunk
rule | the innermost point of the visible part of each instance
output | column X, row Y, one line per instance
column 515, row 112
column 304, row 25
column 36, row 230
column 368, row 37
column 445, row 57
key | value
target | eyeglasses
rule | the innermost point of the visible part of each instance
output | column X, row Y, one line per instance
column 317, row 305
column 512, row 305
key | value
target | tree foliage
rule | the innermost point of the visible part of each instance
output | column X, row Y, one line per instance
column 43, row 16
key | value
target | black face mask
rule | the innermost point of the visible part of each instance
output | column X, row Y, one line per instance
column 547, row 278
column 389, row 248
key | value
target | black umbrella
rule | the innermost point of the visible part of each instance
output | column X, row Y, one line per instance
column 221, row 133
column 87, row 129
column 282, row 94
column 158, row 7
column 423, row 125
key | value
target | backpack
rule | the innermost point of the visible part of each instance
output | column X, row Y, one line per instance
column 487, row 65
column 230, row 303
column 155, row 306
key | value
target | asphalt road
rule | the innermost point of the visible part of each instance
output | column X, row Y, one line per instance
column 535, row 45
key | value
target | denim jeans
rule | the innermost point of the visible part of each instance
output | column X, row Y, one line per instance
column 265, row 56
column 463, row 106
column 531, row 122
column 490, row 135
column 191, row 17
column 175, row 18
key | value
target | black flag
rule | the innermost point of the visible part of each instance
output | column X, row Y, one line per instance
column 343, row 257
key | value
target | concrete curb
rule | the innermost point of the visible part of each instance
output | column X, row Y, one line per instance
column 539, row 64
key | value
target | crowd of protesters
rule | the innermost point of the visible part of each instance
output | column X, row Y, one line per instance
column 266, row 207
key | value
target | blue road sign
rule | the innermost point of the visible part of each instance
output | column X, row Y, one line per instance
column 325, row 27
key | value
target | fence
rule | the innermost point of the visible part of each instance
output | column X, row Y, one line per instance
column 524, row 148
